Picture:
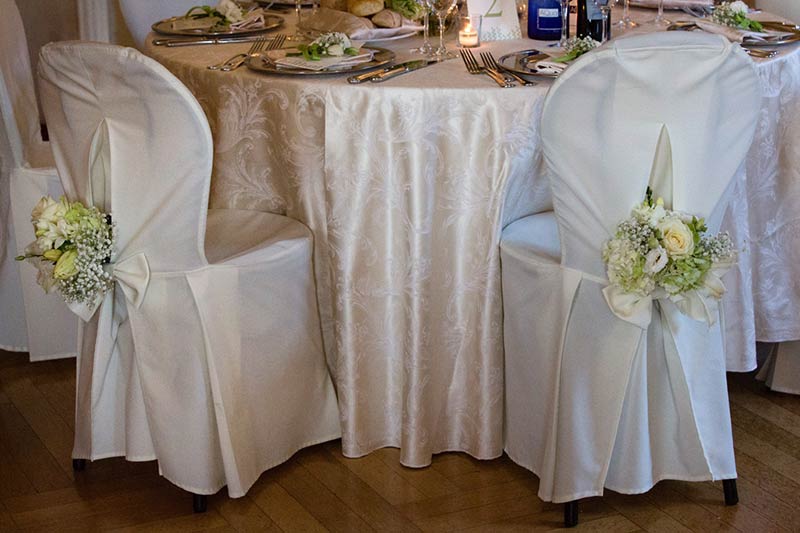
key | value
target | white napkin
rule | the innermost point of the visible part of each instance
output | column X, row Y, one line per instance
column 280, row 58
column 357, row 28
column 732, row 34
column 549, row 68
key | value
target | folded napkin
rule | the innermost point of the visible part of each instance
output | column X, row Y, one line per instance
column 674, row 4
column 734, row 35
column 281, row 59
column 254, row 19
column 548, row 68
column 357, row 28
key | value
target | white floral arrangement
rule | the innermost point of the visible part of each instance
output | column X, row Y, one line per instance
column 576, row 47
column 662, row 253
column 734, row 14
column 72, row 244
column 332, row 44
column 230, row 14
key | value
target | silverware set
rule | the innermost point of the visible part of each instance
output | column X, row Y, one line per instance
column 258, row 46
column 491, row 68
column 173, row 42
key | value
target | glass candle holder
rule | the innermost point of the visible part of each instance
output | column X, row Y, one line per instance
column 469, row 30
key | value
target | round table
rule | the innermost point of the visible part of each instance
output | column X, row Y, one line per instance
column 407, row 185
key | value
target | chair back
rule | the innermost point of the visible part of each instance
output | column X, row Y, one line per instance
column 141, row 14
column 129, row 138
column 673, row 110
column 19, row 114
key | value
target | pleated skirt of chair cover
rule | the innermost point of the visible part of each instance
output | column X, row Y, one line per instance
column 220, row 374
column 594, row 402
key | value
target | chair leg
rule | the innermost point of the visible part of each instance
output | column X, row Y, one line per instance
column 79, row 465
column 731, row 492
column 571, row 514
column 199, row 503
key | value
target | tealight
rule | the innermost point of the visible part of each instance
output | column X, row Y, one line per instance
column 469, row 31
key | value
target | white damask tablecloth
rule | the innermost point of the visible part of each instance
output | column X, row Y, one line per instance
column 407, row 186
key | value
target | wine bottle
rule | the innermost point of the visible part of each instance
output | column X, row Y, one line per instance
column 590, row 20
column 544, row 20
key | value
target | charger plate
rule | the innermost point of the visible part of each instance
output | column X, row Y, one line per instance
column 262, row 63
column 522, row 63
column 164, row 27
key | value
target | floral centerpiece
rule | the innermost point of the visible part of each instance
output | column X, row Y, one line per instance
column 227, row 14
column 734, row 14
column 576, row 47
column 661, row 253
column 333, row 44
column 72, row 244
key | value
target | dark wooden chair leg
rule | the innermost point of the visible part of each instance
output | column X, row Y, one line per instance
column 731, row 493
column 571, row 514
column 79, row 465
column 199, row 503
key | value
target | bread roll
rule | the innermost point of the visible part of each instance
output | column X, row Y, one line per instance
column 339, row 5
column 387, row 19
column 364, row 8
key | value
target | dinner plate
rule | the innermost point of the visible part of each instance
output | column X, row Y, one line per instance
column 780, row 29
column 523, row 63
column 262, row 63
column 164, row 27
column 649, row 5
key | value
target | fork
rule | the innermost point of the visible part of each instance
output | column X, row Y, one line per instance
column 474, row 68
column 491, row 64
column 258, row 46
column 274, row 44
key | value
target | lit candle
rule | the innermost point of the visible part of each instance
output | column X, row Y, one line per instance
column 468, row 37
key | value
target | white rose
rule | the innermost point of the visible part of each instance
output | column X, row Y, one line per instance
column 739, row 7
column 335, row 50
column 656, row 260
column 231, row 10
column 676, row 237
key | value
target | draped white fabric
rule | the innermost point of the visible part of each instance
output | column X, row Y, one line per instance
column 207, row 356
column 592, row 400
column 32, row 321
column 302, row 147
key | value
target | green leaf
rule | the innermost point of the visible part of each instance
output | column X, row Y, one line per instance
column 351, row 51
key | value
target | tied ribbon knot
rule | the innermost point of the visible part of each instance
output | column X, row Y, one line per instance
column 131, row 274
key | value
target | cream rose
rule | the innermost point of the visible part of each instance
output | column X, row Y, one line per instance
column 230, row 10
column 739, row 7
column 676, row 237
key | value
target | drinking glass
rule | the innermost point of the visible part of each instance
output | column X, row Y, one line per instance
column 298, row 35
column 564, row 23
column 660, row 20
column 426, row 49
column 605, row 12
column 626, row 23
column 442, row 8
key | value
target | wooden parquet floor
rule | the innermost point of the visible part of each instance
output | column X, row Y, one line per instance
column 320, row 490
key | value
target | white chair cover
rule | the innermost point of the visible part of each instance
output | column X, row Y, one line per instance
column 780, row 370
column 209, row 358
column 593, row 401
column 141, row 14
column 31, row 320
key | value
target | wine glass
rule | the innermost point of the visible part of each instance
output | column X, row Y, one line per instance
column 626, row 23
column 442, row 8
column 298, row 35
column 660, row 19
column 605, row 12
column 562, row 43
column 426, row 49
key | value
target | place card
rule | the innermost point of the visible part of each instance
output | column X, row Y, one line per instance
column 500, row 20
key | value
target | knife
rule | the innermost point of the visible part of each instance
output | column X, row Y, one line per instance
column 191, row 42
column 367, row 75
column 402, row 68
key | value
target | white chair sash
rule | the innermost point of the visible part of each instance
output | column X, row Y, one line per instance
column 131, row 274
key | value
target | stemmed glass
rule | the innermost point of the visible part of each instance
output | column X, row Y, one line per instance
column 626, row 23
column 426, row 49
column 442, row 8
column 660, row 20
column 605, row 12
column 298, row 35
column 562, row 43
